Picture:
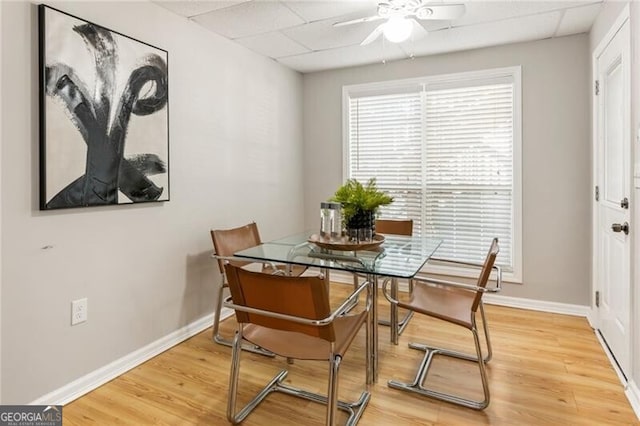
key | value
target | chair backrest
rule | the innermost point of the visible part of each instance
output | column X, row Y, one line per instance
column 486, row 271
column 394, row 226
column 305, row 297
column 228, row 241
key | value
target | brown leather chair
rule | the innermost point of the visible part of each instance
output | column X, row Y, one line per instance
column 291, row 316
column 455, row 303
column 225, row 243
column 394, row 227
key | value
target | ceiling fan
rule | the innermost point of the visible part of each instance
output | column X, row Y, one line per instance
column 401, row 18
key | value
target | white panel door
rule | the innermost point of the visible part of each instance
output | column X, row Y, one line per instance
column 614, row 181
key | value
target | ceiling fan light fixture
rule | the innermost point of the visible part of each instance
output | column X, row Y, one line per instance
column 397, row 29
column 384, row 10
column 424, row 12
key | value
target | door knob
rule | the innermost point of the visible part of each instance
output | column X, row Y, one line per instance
column 616, row 227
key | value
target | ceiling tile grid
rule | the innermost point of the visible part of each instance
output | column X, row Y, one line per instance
column 301, row 34
column 316, row 10
column 346, row 56
column 533, row 27
column 274, row 45
column 193, row 8
column 578, row 20
column 249, row 18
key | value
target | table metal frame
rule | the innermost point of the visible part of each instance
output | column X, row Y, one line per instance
column 397, row 257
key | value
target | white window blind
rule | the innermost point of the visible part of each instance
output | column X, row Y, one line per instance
column 445, row 151
column 469, row 170
column 386, row 143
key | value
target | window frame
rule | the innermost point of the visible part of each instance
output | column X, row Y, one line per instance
column 455, row 80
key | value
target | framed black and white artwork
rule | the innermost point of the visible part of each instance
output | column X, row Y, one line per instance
column 104, row 115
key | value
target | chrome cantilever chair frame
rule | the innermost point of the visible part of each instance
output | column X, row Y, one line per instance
column 430, row 351
column 217, row 338
column 251, row 233
column 276, row 384
column 395, row 325
column 402, row 227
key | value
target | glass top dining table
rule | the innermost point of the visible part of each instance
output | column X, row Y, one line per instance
column 396, row 257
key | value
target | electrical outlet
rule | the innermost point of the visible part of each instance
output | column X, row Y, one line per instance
column 78, row 311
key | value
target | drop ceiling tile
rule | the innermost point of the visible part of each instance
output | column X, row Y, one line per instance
column 314, row 10
column 273, row 45
column 514, row 30
column 436, row 25
column 323, row 35
column 578, row 20
column 300, row 33
column 191, row 8
column 343, row 57
column 249, row 18
column 480, row 11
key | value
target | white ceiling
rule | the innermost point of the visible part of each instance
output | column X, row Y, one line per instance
column 300, row 33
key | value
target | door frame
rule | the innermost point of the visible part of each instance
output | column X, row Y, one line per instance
column 594, row 317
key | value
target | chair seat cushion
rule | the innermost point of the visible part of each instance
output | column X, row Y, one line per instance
column 446, row 303
column 301, row 346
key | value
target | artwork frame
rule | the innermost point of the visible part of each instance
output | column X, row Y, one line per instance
column 104, row 115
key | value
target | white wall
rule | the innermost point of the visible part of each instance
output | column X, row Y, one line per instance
column 556, row 152
column 235, row 132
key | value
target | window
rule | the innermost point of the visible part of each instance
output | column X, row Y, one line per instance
column 447, row 148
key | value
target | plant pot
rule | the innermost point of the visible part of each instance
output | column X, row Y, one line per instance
column 361, row 226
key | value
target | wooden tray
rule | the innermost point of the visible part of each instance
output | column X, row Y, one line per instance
column 346, row 246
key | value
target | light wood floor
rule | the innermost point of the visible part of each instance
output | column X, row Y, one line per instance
column 547, row 369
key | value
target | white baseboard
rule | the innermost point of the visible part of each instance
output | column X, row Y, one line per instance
column 592, row 317
column 630, row 388
column 224, row 314
column 497, row 299
column 612, row 359
column 537, row 305
column 97, row 378
column 633, row 395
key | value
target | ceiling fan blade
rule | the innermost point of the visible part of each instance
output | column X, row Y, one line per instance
column 374, row 35
column 357, row 21
column 417, row 30
column 443, row 12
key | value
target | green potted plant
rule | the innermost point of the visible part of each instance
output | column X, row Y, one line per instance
column 359, row 205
